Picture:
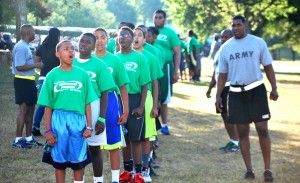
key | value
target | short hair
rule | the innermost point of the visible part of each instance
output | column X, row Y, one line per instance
column 24, row 29
column 60, row 44
column 239, row 17
column 101, row 29
column 90, row 35
column 128, row 29
column 229, row 31
column 162, row 12
column 154, row 30
column 130, row 25
column 143, row 31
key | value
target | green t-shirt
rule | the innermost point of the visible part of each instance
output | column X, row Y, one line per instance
column 137, row 69
column 163, row 54
column 111, row 46
column 168, row 39
column 191, row 44
column 67, row 90
column 99, row 73
column 154, row 66
column 154, row 51
column 117, row 69
column 183, row 46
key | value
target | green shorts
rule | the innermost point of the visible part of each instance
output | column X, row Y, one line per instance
column 166, row 89
column 150, row 127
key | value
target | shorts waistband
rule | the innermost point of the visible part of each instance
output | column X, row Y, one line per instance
column 246, row 88
column 25, row 77
column 227, row 83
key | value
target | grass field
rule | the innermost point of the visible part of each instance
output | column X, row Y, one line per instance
column 190, row 154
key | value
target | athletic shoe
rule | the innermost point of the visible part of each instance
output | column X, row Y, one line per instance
column 153, row 164
column 249, row 175
column 152, row 172
column 268, row 176
column 146, row 175
column 115, row 182
column 21, row 144
column 233, row 148
column 36, row 132
column 125, row 177
column 165, row 130
column 33, row 142
column 138, row 178
column 226, row 146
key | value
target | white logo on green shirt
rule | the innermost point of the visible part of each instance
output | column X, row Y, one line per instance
column 131, row 66
column 67, row 85
column 111, row 70
column 92, row 75
column 162, row 37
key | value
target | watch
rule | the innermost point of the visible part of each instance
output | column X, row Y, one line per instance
column 89, row 128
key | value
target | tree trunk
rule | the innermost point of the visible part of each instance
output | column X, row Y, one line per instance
column 21, row 15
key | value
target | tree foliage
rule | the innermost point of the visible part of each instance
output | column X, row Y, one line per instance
column 208, row 16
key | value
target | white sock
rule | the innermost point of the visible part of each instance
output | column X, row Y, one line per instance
column 28, row 138
column 17, row 139
column 236, row 142
column 115, row 175
column 78, row 181
column 164, row 125
column 98, row 179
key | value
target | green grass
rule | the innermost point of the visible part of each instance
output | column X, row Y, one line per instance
column 191, row 153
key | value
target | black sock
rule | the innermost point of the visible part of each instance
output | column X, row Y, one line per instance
column 138, row 168
column 128, row 166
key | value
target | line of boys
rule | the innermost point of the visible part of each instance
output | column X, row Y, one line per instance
column 138, row 135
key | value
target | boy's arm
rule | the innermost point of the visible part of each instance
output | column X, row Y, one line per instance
column 140, row 110
column 100, row 125
column 154, row 111
column 124, row 97
column 88, row 113
column 50, row 136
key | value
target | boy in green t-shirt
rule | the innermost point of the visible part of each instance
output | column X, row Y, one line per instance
column 66, row 95
column 138, row 73
column 115, row 114
column 151, row 104
column 102, row 82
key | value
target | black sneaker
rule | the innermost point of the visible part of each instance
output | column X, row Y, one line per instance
column 21, row 144
column 268, row 176
column 226, row 146
column 249, row 175
column 36, row 132
column 33, row 142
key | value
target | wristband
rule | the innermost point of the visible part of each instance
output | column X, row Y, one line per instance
column 102, row 120
column 125, row 114
column 47, row 131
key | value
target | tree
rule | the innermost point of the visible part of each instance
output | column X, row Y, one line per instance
column 21, row 15
column 39, row 9
column 208, row 16
column 123, row 11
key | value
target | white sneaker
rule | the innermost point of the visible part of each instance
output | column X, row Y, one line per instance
column 146, row 175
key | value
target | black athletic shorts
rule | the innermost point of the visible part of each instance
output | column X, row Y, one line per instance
column 224, row 96
column 47, row 158
column 25, row 91
column 248, row 106
column 135, row 125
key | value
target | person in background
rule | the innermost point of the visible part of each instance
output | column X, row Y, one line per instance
column 215, row 46
column 25, row 90
column 46, row 54
column 169, row 40
column 233, row 144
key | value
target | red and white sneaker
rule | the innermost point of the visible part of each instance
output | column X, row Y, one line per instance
column 126, row 177
column 138, row 178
